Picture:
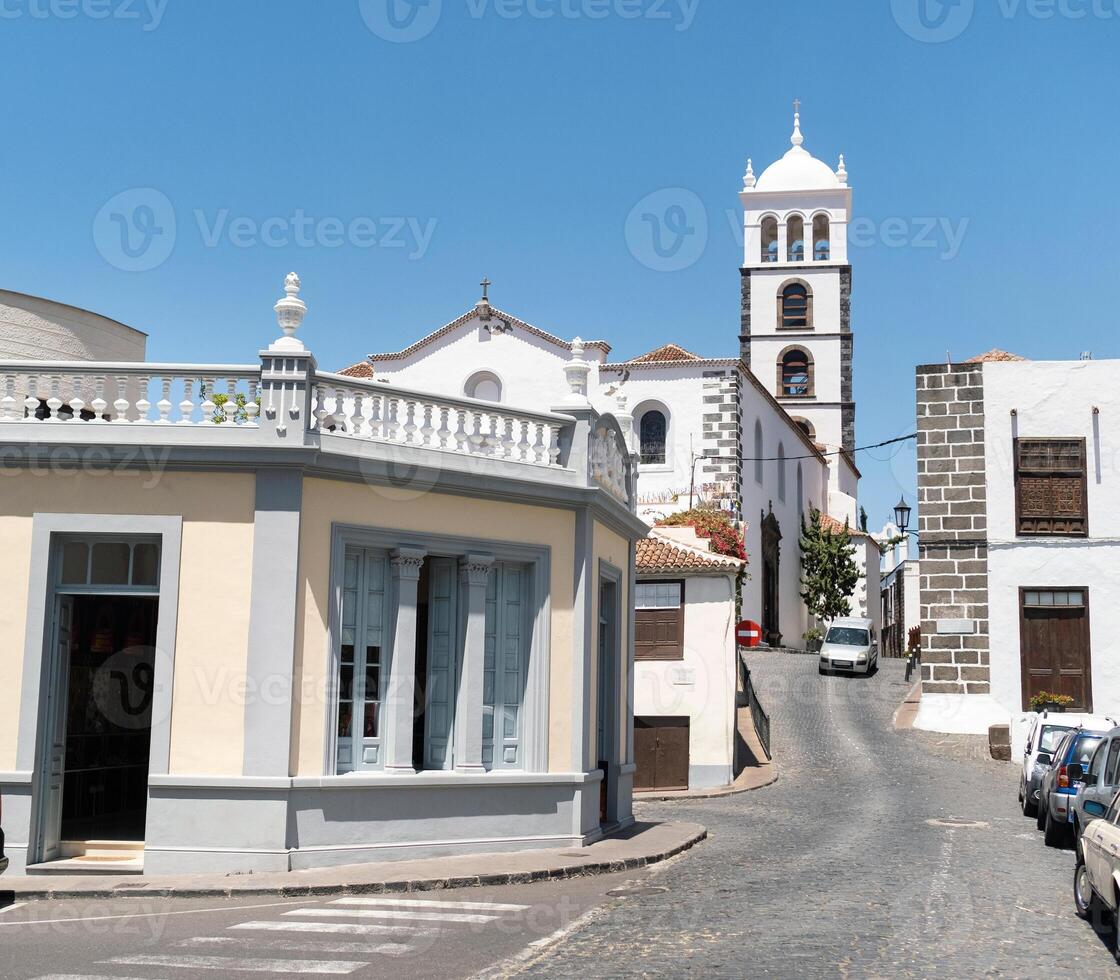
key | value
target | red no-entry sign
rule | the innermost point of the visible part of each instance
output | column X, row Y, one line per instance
column 748, row 634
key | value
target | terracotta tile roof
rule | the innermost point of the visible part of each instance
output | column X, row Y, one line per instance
column 830, row 523
column 657, row 555
column 668, row 355
column 497, row 314
column 363, row 369
column 995, row 354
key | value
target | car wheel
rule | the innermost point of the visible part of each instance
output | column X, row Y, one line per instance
column 1029, row 809
column 821, row 670
column 1084, row 901
column 1054, row 832
column 1040, row 813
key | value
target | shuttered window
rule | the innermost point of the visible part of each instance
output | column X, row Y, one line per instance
column 360, row 680
column 506, row 666
column 1050, row 488
column 442, row 642
column 659, row 621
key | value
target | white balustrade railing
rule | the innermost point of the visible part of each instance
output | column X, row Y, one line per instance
column 386, row 413
column 133, row 393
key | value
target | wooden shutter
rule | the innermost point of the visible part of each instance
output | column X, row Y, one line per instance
column 659, row 632
column 361, row 660
column 1051, row 478
column 507, row 657
column 442, row 646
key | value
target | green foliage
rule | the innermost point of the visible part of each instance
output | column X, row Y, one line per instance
column 813, row 635
column 1046, row 699
column 829, row 573
column 714, row 525
column 220, row 400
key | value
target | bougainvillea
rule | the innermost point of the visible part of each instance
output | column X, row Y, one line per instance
column 715, row 526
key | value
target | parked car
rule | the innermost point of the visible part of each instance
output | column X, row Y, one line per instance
column 3, row 860
column 1062, row 781
column 849, row 644
column 1099, row 786
column 1095, row 878
column 1045, row 732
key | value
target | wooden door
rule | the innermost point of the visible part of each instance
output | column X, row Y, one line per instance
column 1054, row 645
column 661, row 753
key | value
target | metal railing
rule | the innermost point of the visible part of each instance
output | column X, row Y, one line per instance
column 759, row 717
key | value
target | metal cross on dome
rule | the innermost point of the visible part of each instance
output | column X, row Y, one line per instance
column 486, row 284
column 797, row 106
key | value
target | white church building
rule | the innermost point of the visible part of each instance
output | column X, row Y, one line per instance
column 763, row 431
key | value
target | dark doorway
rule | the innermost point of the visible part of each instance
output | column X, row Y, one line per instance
column 661, row 753
column 420, row 715
column 607, row 707
column 1054, row 645
column 771, row 580
column 108, row 676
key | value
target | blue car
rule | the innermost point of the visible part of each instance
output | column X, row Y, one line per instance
column 1062, row 781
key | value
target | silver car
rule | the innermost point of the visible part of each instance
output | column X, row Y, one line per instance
column 1099, row 787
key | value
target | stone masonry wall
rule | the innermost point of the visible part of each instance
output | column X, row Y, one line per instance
column 953, row 526
column 723, row 437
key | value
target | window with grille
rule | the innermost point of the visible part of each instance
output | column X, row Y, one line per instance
column 795, row 307
column 1050, row 487
column 654, row 429
column 659, row 621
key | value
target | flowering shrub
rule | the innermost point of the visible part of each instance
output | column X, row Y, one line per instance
column 715, row 526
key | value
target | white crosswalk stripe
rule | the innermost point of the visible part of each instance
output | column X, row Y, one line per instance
column 335, row 928
column 230, row 964
column 416, row 903
column 396, row 914
column 351, row 947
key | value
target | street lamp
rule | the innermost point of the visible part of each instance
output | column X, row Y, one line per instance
column 902, row 513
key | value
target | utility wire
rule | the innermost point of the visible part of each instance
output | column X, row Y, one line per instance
column 837, row 452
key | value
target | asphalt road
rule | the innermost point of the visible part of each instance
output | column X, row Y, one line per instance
column 835, row 871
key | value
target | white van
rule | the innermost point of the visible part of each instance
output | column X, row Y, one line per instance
column 851, row 645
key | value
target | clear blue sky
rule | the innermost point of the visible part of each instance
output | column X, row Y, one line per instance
column 521, row 143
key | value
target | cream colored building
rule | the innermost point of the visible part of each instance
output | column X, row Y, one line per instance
column 343, row 622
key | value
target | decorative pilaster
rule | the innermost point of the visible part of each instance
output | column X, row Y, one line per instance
column 400, row 694
column 474, row 577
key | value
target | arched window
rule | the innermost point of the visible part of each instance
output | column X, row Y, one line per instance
column 484, row 385
column 794, row 307
column 800, row 492
column 769, row 239
column 807, row 427
column 758, row 474
column 795, row 373
column 822, row 244
column 781, row 472
column 795, row 238
column 653, row 430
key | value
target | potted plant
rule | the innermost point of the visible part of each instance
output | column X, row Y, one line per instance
column 814, row 639
column 1048, row 701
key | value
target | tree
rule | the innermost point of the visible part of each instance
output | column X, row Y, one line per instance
column 829, row 573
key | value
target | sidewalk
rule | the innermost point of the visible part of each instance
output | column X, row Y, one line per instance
column 635, row 847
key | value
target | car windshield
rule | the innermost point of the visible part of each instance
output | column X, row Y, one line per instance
column 1051, row 735
column 847, row 636
column 1083, row 749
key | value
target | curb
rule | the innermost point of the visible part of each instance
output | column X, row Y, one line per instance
column 716, row 794
column 373, row 887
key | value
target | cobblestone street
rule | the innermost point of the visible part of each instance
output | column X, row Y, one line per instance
column 836, row 871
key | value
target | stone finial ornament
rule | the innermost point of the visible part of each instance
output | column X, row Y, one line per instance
column 290, row 311
column 842, row 171
column 797, row 139
column 575, row 373
column 749, row 179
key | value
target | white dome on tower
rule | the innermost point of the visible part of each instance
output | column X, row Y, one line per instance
column 798, row 170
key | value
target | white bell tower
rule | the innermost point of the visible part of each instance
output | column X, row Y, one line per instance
column 796, row 331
